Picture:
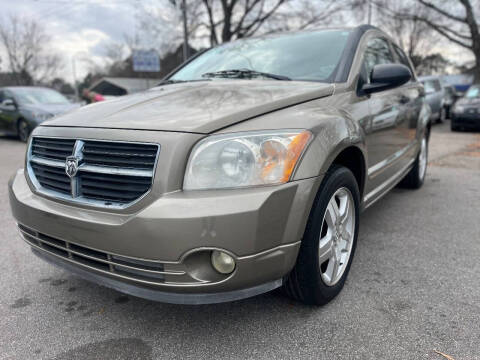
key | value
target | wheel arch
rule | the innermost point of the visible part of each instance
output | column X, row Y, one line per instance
column 17, row 122
column 428, row 127
column 353, row 159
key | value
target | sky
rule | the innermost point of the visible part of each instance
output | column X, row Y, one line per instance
column 81, row 29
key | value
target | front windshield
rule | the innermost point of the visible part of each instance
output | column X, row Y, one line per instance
column 36, row 96
column 473, row 92
column 311, row 56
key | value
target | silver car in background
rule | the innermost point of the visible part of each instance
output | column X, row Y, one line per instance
column 435, row 97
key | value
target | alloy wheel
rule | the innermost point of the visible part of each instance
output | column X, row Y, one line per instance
column 423, row 159
column 336, row 236
column 23, row 131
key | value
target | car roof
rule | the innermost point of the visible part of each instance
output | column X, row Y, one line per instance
column 429, row 77
column 24, row 87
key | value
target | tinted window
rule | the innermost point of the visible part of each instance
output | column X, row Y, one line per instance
column 301, row 56
column 429, row 86
column 32, row 96
column 473, row 91
column 377, row 52
column 1, row 96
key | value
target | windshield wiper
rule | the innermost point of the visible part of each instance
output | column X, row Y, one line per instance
column 243, row 74
column 166, row 82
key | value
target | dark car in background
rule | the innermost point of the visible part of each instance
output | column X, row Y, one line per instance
column 450, row 96
column 434, row 95
column 466, row 112
column 23, row 108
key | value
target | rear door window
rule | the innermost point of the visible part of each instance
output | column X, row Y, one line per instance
column 429, row 86
column 437, row 86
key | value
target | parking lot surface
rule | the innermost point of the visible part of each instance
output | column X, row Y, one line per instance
column 414, row 287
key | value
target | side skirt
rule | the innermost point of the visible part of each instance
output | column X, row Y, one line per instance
column 384, row 188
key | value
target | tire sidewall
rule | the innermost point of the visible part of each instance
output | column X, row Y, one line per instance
column 19, row 131
column 335, row 179
column 417, row 163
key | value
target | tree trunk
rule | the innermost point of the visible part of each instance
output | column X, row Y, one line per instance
column 475, row 35
column 476, row 72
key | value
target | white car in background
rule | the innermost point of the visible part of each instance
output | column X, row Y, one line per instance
column 435, row 97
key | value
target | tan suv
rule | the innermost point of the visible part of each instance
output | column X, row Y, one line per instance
column 245, row 170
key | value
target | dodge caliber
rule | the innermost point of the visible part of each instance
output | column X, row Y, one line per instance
column 243, row 171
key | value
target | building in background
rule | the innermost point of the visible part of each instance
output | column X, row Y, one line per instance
column 118, row 86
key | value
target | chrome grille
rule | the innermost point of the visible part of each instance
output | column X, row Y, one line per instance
column 113, row 187
column 55, row 149
column 52, row 178
column 126, row 155
column 109, row 174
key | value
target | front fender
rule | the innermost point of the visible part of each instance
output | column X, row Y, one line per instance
column 331, row 136
column 333, row 131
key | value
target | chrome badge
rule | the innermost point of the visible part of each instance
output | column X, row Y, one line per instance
column 71, row 166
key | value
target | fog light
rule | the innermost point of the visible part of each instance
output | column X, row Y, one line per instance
column 222, row 262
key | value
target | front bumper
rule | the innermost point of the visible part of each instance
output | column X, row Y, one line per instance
column 466, row 120
column 162, row 252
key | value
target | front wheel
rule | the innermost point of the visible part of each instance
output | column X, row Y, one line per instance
column 329, row 241
column 415, row 178
column 23, row 130
column 443, row 115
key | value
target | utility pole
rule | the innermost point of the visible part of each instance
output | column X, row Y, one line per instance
column 369, row 12
column 185, row 31
column 74, row 73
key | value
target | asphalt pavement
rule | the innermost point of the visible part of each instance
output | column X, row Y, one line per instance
column 414, row 287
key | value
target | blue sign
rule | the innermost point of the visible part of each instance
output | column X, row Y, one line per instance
column 146, row 61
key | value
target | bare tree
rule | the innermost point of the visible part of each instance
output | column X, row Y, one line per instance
column 230, row 19
column 455, row 20
column 302, row 14
column 235, row 19
column 415, row 37
column 25, row 43
column 160, row 26
column 216, row 21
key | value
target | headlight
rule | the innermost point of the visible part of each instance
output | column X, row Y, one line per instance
column 245, row 159
column 41, row 116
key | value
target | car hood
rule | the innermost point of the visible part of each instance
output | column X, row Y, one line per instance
column 54, row 109
column 200, row 107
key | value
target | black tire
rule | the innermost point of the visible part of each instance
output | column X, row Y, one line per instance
column 442, row 116
column 454, row 127
column 23, row 130
column 304, row 283
column 415, row 180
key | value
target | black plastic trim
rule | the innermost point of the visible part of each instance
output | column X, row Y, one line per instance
column 343, row 68
column 156, row 295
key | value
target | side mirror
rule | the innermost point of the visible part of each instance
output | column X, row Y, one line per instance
column 387, row 76
column 8, row 104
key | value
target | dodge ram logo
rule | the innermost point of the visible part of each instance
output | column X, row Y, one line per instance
column 71, row 166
